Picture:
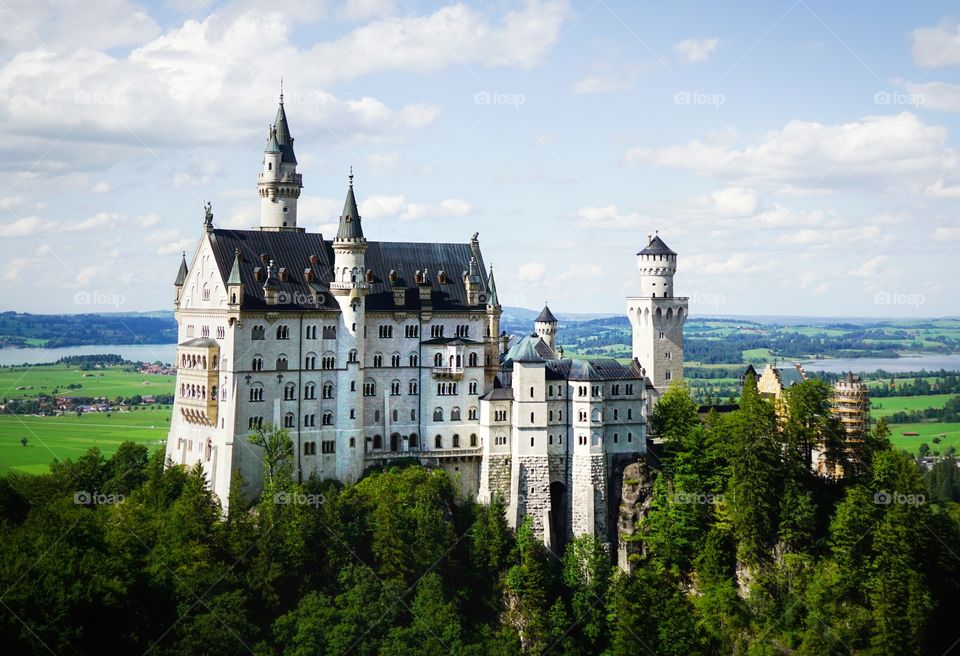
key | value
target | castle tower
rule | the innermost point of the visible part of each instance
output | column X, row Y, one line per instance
column 545, row 325
column 657, row 317
column 279, row 183
column 349, row 288
column 492, row 341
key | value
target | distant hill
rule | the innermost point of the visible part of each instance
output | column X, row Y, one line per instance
column 20, row 329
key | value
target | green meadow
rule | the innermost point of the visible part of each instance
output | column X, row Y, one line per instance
column 949, row 435
column 886, row 406
column 69, row 436
column 110, row 382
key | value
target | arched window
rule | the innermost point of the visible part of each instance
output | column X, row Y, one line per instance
column 473, row 439
column 288, row 420
column 413, row 440
column 438, row 442
column 327, row 418
column 455, row 414
column 472, row 360
column 438, row 360
column 281, row 363
column 378, row 360
column 289, row 392
column 377, row 442
column 395, row 388
column 354, row 356
column 328, row 390
column 456, row 441
column 472, row 414
column 257, row 364
column 414, row 360
column 438, row 414
column 473, row 387
column 309, row 391
column 395, row 360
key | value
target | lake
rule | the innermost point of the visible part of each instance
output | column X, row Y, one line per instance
column 135, row 352
column 869, row 365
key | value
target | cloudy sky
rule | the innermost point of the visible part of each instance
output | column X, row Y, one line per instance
column 801, row 157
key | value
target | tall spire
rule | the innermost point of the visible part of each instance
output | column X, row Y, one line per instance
column 350, row 227
column 492, row 285
column 182, row 273
column 282, row 128
column 234, row 278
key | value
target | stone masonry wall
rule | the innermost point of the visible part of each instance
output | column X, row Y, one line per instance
column 534, row 492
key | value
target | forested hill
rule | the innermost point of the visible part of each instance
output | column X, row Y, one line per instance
column 19, row 329
column 724, row 340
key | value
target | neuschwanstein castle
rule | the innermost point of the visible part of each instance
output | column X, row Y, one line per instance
column 370, row 351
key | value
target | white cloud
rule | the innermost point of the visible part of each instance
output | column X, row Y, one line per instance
column 876, row 151
column 25, row 227
column 15, row 268
column 177, row 246
column 531, row 272
column 695, row 51
column 735, row 201
column 99, row 221
column 601, row 84
column 362, row 9
column 609, row 217
column 379, row 207
column 103, row 24
column 737, row 263
column 148, row 221
column 937, row 46
column 947, row 234
column 870, row 268
column 101, row 187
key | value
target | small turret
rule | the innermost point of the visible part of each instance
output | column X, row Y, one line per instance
column 271, row 286
column 545, row 326
column 234, row 283
column 181, row 277
column 473, row 283
column 279, row 184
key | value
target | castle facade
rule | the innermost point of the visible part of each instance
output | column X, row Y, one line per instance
column 368, row 352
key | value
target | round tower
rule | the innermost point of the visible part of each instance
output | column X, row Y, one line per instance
column 657, row 318
column 349, row 289
column 279, row 184
column 545, row 326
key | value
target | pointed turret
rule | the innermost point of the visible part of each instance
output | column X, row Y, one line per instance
column 492, row 301
column 234, row 278
column 545, row 325
column 279, row 183
column 234, row 282
column 182, row 273
column 350, row 228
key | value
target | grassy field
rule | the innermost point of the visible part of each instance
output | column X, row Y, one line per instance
column 886, row 406
column 50, row 438
column 110, row 382
column 949, row 436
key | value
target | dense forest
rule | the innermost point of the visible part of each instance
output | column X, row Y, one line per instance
column 20, row 329
column 740, row 550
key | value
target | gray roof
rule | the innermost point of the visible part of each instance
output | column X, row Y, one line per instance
column 492, row 286
column 199, row 341
column 284, row 140
column 450, row 341
column 272, row 145
column 529, row 348
column 656, row 247
column 788, row 376
column 546, row 316
column 182, row 273
column 234, row 278
column 594, row 369
column 499, row 394
column 293, row 251
column 350, row 227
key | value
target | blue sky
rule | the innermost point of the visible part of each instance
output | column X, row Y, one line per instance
column 801, row 157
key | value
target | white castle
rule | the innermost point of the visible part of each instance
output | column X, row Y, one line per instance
column 368, row 352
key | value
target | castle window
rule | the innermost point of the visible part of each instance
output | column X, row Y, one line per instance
column 438, row 414
column 394, row 415
column 438, row 442
column 472, row 414
column 257, row 363
column 289, row 392
column 411, row 331
column 550, row 438
column 532, row 441
column 221, row 332
column 473, row 387
column 616, row 414
column 472, row 360
column 327, row 390
column 395, row 360
column 310, row 362
column 309, row 391
column 630, row 389
column 328, row 362
column 531, row 418
column 413, row 388
column 550, row 391
column 666, row 355
column 256, row 393
column 667, row 375
column 283, row 332
column 438, row 360
column 473, row 439
column 414, row 360
column 369, row 388
column 456, row 441
column 629, row 413
column 353, row 442
column 662, row 335
column 413, row 415
column 288, row 420
column 376, row 416
column 327, row 418
column 386, row 332
column 413, row 441
column 353, row 413
column 328, row 446
column 204, row 331
column 329, row 332
column 255, row 422
column 531, row 391
column 206, row 293
column 616, row 438
column 354, row 356
column 550, row 415
column 309, row 420
column 377, row 360
column 282, row 363
column 455, row 414
column 395, row 388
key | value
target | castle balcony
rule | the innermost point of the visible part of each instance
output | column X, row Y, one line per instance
column 442, row 454
column 450, row 373
column 348, row 286
column 196, row 394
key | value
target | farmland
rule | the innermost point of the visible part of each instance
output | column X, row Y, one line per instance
column 35, row 380
column 69, row 436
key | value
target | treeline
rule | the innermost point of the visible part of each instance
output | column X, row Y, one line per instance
column 740, row 549
column 950, row 412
